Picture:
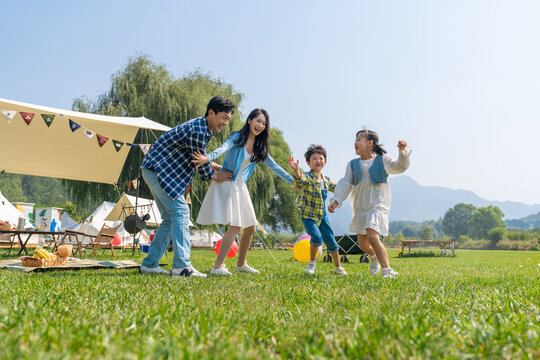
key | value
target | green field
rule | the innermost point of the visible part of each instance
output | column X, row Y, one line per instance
column 479, row 304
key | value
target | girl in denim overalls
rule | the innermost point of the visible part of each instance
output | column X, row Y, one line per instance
column 366, row 179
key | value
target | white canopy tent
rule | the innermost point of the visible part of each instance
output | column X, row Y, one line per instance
column 11, row 214
column 28, row 146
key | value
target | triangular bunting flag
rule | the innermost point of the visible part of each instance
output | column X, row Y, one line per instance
column 188, row 199
column 101, row 140
column 135, row 184
column 9, row 115
column 73, row 125
column 48, row 119
column 129, row 185
column 27, row 117
column 117, row 145
column 88, row 134
column 145, row 148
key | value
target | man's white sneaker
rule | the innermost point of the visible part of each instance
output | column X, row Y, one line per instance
column 246, row 269
column 340, row 271
column 310, row 268
column 187, row 272
column 221, row 271
column 153, row 270
column 374, row 267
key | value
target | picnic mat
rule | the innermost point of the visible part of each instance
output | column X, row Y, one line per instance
column 15, row 264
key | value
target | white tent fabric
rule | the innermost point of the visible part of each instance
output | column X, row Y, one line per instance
column 144, row 206
column 203, row 238
column 11, row 214
column 56, row 151
column 67, row 221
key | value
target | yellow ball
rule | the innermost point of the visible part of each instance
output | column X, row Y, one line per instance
column 301, row 251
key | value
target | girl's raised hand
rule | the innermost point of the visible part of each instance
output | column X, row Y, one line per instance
column 402, row 144
column 294, row 165
column 199, row 159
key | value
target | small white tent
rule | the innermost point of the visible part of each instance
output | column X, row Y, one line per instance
column 144, row 206
column 11, row 214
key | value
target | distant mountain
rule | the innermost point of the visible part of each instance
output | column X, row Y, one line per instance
column 414, row 202
column 530, row 222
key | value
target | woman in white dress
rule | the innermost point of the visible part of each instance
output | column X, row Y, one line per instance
column 228, row 202
column 366, row 179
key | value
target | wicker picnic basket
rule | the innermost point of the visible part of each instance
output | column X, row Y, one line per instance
column 56, row 260
column 59, row 258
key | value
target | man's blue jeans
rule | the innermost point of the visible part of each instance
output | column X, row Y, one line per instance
column 174, row 226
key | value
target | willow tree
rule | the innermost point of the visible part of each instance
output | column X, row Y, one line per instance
column 144, row 88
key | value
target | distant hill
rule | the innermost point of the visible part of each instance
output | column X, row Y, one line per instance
column 529, row 222
column 414, row 202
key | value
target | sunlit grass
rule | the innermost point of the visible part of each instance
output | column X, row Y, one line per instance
column 478, row 304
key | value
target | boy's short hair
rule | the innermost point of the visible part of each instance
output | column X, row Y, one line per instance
column 315, row 149
column 220, row 104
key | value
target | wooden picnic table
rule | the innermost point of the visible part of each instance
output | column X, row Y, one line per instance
column 443, row 244
column 22, row 243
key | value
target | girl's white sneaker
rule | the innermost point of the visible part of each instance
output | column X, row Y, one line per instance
column 246, row 269
column 374, row 267
column 389, row 273
column 221, row 271
column 340, row 271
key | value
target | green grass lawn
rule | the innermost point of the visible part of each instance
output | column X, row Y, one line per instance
column 479, row 304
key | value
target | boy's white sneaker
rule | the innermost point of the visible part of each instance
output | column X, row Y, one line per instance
column 153, row 270
column 340, row 271
column 246, row 269
column 221, row 271
column 310, row 268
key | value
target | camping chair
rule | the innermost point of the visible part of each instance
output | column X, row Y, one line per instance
column 347, row 245
column 104, row 239
column 7, row 239
column 75, row 238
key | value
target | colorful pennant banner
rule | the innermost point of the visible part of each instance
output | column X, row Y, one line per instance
column 73, row 125
column 117, row 145
column 9, row 115
column 27, row 117
column 88, row 134
column 101, row 140
column 48, row 119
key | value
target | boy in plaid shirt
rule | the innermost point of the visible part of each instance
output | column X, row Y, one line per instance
column 314, row 188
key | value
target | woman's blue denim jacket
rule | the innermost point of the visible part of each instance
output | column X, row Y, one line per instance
column 235, row 156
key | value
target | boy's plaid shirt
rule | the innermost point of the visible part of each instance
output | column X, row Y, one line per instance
column 309, row 202
column 170, row 156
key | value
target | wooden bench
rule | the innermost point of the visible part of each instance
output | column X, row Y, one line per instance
column 443, row 244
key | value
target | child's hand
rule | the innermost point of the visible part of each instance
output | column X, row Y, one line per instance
column 402, row 144
column 216, row 167
column 294, row 165
column 200, row 159
column 332, row 206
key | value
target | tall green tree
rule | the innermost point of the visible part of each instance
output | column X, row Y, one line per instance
column 144, row 88
column 484, row 219
column 11, row 187
column 456, row 220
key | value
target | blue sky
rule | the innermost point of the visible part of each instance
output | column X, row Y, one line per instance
column 459, row 80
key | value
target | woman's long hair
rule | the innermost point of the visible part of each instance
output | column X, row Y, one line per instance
column 261, row 146
column 372, row 135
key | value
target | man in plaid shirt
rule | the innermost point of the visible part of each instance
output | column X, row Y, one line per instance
column 314, row 188
column 167, row 169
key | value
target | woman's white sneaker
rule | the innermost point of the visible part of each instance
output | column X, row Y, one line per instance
column 246, row 269
column 221, row 271
column 374, row 267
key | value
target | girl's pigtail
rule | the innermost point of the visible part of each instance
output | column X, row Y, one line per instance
column 377, row 149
